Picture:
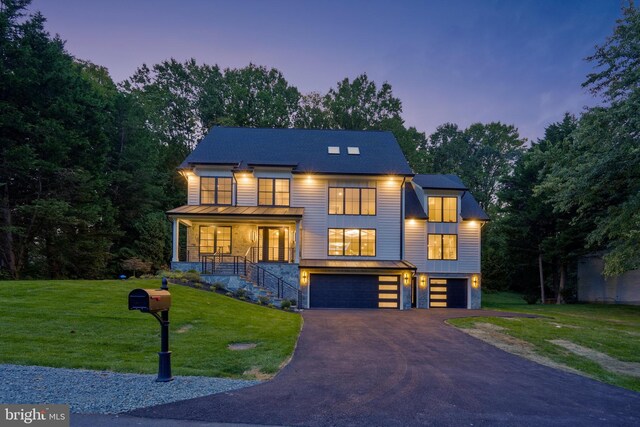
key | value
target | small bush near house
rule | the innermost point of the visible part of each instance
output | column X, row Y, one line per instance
column 262, row 300
column 241, row 293
column 229, row 294
column 294, row 302
column 285, row 304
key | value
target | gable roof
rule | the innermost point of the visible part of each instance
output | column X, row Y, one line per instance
column 304, row 150
column 470, row 209
column 412, row 207
column 441, row 182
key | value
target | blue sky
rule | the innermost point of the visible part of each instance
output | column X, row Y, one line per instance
column 460, row 61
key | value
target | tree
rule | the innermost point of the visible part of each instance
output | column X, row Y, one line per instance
column 598, row 175
column 359, row 105
column 54, row 145
column 255, row 96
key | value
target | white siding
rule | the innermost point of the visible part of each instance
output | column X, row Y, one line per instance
column 415, row 232
column 193, row 190
column 312, row 194
column 468, row 247
column 246, row 190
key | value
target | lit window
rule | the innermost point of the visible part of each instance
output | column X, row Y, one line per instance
column 214, row 239
column 443, row 209
column 352, row 201
column 215, row 190
column 273, row 192
column 442, row 246
column 352, row 242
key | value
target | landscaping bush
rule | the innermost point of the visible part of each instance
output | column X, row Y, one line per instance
column 241, row 293
column 285, row 304
column 530, row 298
column 293, row 301
column 262, row 300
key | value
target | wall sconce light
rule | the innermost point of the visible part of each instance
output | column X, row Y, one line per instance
column 423, row 281
column 254, row 235
column 406, row 279
column 304, row 277
column 475, row 282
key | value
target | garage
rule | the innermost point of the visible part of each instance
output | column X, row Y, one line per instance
column 354, row 291
column 448, row 293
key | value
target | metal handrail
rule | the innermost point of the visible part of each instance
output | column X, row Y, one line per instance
column 241, row 266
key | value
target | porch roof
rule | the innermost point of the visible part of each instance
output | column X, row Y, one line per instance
column 330, row 263
column 243, row 211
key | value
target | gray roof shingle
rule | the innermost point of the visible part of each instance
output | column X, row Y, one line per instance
column 412, row 207
column 442, row 182
column 470, row 209
column 306, row 150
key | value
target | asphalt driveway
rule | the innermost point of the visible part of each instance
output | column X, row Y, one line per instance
column 398, row 368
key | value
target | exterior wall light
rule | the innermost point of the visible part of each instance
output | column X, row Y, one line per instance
column 475, row 281
column 406, row 279
column 304, row 277
column 423, row 281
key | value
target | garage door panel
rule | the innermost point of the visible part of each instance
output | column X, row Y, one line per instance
column 448, row 293
column 353, row 291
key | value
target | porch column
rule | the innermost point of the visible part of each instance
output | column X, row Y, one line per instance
column 176, row 240
column 297, row 251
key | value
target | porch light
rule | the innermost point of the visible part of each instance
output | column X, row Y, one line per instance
column 475, row 282
column 423, row 281
column 305, row 277
column 406, row 279
column 473, row 223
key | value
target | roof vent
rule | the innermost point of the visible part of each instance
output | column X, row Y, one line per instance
column 353, row 150
column 334, row 150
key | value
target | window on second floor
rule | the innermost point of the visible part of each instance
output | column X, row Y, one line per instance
column 352, row 242
column 215, row 190
column 442, row 246
column 352, row 201
column 443, row 209
column 273, row 191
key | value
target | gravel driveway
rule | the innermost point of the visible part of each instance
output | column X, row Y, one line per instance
column 99, row 392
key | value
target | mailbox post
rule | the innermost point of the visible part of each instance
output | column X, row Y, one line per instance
column 154, row 301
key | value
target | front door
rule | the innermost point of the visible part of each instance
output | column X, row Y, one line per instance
column 273, row 244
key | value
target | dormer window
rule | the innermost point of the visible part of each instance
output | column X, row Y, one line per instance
column 333, row 150
column 215, row 190
column 443, row 209
column 354, row 151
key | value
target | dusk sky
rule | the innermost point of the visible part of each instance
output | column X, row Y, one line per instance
column 460, row 61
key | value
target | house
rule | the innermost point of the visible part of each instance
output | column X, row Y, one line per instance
column 331, row 218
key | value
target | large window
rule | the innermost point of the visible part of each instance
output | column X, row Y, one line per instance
column 215, row 190
column 273, row 192
column 352, row 242
column 215, row 239
column 443, row 246
column 443, row 209
column 352, row 201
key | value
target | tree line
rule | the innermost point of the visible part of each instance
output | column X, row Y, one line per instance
column 88, row 166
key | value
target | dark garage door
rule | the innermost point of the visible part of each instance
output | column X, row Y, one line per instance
column 449, row 293
column 353, row 291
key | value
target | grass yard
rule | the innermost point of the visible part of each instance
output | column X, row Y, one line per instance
column 87, row 324
column 600, row 341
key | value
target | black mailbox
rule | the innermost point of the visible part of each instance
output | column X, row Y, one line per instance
column 149, row 300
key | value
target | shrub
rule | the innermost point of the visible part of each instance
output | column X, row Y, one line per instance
column 271, row 306
column 241, row 293
column 197, row 285
column 530, row 298
column 293, row 302
column 262, row 300
column 229, row 294
column 285, row 304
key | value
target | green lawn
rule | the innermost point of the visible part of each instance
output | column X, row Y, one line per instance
column 86, row 324
column 610, row 329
